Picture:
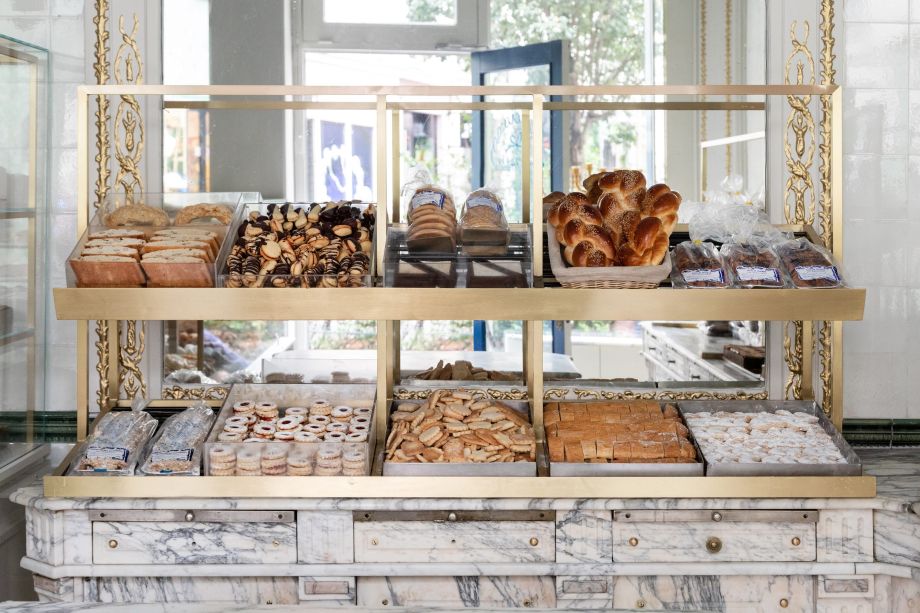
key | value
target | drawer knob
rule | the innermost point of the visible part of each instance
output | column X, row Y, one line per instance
column 113, row 543
column 374, row 542
column 714, row 544
column 640, row 604
column 784, row 602
column 796, row 541
column 633, row 542
column 451, row 516
column 189, row 516
column 534, row 541
column 276, row 544
column 716, row 516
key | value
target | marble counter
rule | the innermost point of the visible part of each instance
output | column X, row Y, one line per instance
column 605, row 554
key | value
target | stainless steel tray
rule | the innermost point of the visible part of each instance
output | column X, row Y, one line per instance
column 502, row 469
column 584, row 469
column 853, row 467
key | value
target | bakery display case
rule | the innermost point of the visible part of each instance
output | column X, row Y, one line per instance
column 419, row 271
column 24, row 100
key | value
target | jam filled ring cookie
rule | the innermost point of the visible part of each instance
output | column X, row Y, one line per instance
column 263, row 430
column 342, row 413
column 306, row 437
column 291, row 411
column 335, row 437
column 236, row 420
column 356, row 437
column 319, row 419
column 136, row 215
column 337, row 427
column 230, row 437
column 284, row 436
column 289, row 423
column 363, row 412
column 244, row 407
column 320, row 407
column 316, row 429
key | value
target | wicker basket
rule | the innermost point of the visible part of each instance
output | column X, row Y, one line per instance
column 610, row 277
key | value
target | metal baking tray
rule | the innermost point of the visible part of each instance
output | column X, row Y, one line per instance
column 496, row 469
column 585, row 469
column 853, row 467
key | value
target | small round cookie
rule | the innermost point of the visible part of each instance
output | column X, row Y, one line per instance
column 363, row 412
column 315, row 429
column 360, row 420
column 342, row 413
column 304, row 471
column 353, row 457
column 291, row 411
column 327, row 471
column 256, row 439
column 353, row 472
column 236, row 429
column 263, row 430
column 299, row 460
column 231, row 437
column 244, row 407
column 248, row 473
column 290, row 422
column 306, row 437
column 236, row 420
column 284, row 436
column 205, row 210
column 358, row 428
column 329, row 452
column 320, row 407
column 334, row 437
column 356, row 437
column 222, row 472
column 319, row 419
column 336, row 427
column 136, row 215
column 267, row 410
column 222, row 454
column 249, row 459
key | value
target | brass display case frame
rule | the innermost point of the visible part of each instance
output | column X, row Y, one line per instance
column 388, row 306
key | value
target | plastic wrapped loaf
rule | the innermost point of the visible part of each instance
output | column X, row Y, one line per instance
column 697, row 264
column 176, row 448
column 116, row 443
column 808, row 265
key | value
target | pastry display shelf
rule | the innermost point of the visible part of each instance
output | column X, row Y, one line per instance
column 530, row 304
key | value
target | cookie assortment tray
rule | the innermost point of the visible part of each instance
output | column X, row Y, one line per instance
column 114, row 250
column 462, row 469
column 852, row 467
column 270, row 456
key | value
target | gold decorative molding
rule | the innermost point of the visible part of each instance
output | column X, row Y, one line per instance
column 563, row 393
column 793, row 355
column 130, row 352
column 495, row 394
column 102, row 362
column 177, row 392
column 129, row 124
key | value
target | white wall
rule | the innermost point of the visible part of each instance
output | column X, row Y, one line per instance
column 879, row 56
column 58, row 26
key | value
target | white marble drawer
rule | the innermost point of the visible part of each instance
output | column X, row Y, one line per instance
column 462, row 541
column 454, row 593
column 727, row 594
column 194, row 543
column 713, row 542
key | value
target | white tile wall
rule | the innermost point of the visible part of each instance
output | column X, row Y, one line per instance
column 58, row 26
column 880, row 71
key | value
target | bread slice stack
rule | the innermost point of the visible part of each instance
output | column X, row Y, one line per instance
column 180, row 258
column 432, row 221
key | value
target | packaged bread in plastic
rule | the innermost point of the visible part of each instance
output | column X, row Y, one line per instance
column 747, row 249
column 432, row 216
column 697, row 264
column 116, row 444
column 808, row 265
column 176, row 448
column 483, row 225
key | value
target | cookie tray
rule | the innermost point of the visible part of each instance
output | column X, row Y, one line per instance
column 496, row 469
column 289, row 395
column 586, row 469
column 853, row 467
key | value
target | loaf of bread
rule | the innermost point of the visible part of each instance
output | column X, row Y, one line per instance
column 697, row 265
column 807, row 265
column 662, row 203
column 752, row 265
column 646, row 245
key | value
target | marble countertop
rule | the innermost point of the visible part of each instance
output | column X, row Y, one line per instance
column 897, row 472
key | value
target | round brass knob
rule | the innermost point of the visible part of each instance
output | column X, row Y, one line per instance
column 451, row 516
column 113, row 544
column 384, row 602
column 716, row 516
column 276, row 544
column 534, row 541
column 640, row 604
column 633, row 542
column 189, row 516
column 796, row 541
column 784, row 602
column 714, row 544
column 374, row 542
column 528, row 602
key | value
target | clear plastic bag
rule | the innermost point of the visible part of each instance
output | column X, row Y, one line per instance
column 432, row 216
column 751, row 265
column 697, row 264
column 808, row 265
column 115, row 444
column 420, row 191
column 483, row 223
column 176, row 448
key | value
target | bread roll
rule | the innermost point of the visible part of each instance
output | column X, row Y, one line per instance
column 621, row 225
column 586, row 254
column 647, row 246
column 573, row 204
column 626, row 186
column 662, row 203
column 591, row 188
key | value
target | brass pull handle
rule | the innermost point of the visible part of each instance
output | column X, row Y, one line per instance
column 534, row 541
column 714, row 544
column 784, row 602
column 113, row 543
column 189, row 516
column 796, row 541
column 633, row 542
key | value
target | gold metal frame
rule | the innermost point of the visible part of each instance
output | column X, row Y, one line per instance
column 389, row 305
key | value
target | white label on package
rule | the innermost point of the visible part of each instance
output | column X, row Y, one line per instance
column 757, row 273
column 483, row 201
column 107, row 453
column 811, row 273
column 172, row 455
column 699, row 275
column 427, row 197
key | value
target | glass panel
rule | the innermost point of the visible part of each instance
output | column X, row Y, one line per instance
column 426, row 12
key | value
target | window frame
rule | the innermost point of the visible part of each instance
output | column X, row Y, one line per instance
column 470, row 32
